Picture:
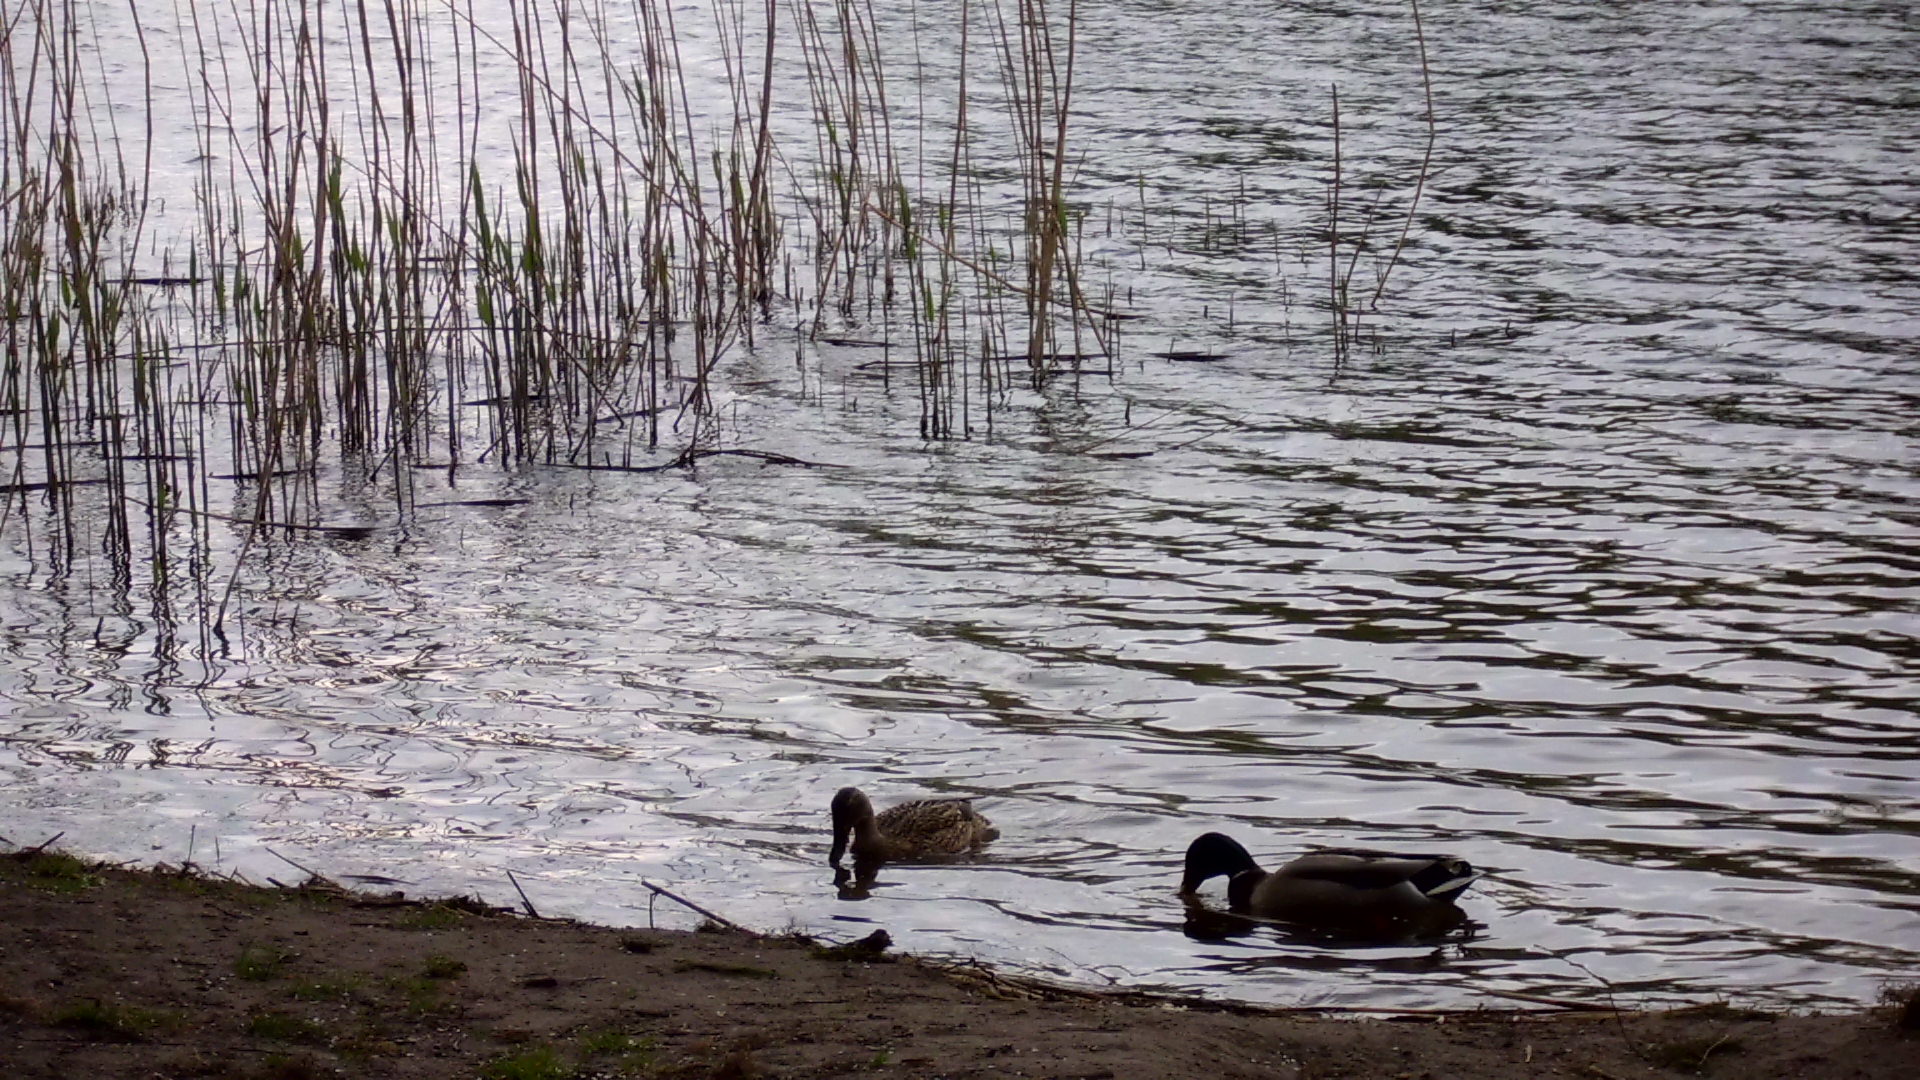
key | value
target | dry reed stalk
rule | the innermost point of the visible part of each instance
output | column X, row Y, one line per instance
column 1426, row 156
column 1336, row 292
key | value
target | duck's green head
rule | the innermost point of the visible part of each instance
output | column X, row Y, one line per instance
column 1212, row 855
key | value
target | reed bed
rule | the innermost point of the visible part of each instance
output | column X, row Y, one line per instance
column 259, row 259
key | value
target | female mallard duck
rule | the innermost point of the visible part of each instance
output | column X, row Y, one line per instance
column 1366, row 892
column 912, row 830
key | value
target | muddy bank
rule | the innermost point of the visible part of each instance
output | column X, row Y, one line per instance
column 112, row 972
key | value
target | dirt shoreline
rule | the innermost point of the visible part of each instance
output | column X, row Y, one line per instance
column 112, row 972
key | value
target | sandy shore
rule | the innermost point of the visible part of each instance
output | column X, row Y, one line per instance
column 109, row 972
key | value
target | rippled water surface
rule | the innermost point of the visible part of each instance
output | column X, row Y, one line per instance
column 1599, row 570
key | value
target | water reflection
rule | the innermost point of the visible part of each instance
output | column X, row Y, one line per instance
column 848, row 887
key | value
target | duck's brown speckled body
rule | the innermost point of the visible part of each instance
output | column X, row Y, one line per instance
column 922, row 829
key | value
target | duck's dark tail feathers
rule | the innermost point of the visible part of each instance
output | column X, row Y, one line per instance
column 1445, row 879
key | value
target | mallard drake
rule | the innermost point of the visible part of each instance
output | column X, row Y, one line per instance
column 912, row 830
column 1367, row 892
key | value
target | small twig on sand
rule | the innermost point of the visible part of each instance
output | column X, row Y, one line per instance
column 1708, row 1052
column 44, row 845
column 686, row 903
column 1619, row 1018
column 524, row 902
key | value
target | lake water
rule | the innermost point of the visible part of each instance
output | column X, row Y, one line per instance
column 1597, row 568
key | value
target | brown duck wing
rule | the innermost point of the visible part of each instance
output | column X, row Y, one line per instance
column 1429, row 876
column 1355, row 876
column 935, row 827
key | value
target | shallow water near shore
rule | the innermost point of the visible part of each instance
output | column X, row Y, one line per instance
column 1599, row 571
